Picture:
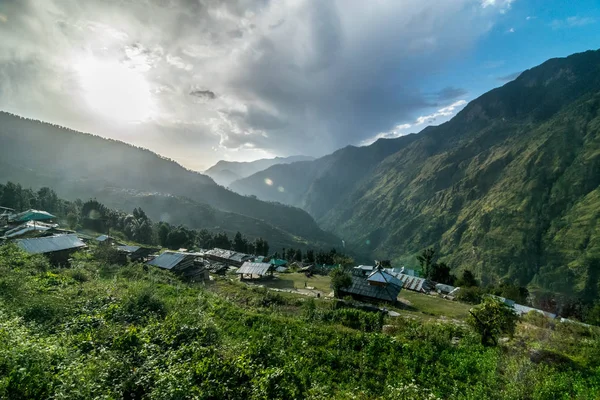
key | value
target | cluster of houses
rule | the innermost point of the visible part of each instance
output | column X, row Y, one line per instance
column 36, row 233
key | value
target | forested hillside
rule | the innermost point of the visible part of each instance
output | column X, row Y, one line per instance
column 508, row 188
column 79, row 165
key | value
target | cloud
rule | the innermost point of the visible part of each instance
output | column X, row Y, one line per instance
column 450, row 93
column 511, row 30
column 203, row 94
column 292, row 76
column 437, row 117
column 509, row 77
column 572, row 22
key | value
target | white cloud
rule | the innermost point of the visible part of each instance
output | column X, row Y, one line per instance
column 283, row 77
column 511, row 30
column 438, row 117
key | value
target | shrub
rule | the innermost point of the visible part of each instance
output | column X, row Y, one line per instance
column 492, row 318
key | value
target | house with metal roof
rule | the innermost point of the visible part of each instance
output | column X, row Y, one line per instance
column 228, row 257
column 186, row 265
column 31, row 215
column 377, row 286
column 57, row 248
column 252, row 269
column 136, row 253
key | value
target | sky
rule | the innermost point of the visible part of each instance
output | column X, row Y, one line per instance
column 199, row 81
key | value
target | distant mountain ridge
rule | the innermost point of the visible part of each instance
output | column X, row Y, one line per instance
column 226, row 172
column 82, row 165
column 508, row 188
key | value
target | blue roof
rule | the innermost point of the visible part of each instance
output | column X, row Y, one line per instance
column 50, row 244
column 129, row 249
column 278, row 262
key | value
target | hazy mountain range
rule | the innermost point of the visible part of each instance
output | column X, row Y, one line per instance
column 508, row 188
column 225, row 172
column 79, row 165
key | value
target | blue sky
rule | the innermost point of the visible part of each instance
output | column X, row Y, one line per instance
column 199, row 81
column 524, row 36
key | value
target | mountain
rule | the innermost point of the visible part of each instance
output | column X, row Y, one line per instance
column 508, row 188
column 225, row 172
column 79, row 165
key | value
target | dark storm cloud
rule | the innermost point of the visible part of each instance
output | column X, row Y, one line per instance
column 292, row 77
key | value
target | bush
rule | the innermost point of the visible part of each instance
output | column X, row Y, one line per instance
column 537, row 319
column 492, row 318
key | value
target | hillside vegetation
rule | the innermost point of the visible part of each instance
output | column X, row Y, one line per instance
column 102, row 331
column 509, row 188
column 79, row 165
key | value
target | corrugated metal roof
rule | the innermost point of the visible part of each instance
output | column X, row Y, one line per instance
column 103, row 238
column 444, row 288
column 281, row 269
column 384, row 277
column 28, row 227
column 50, row 244
column 278, row 262
column 33, row 215
column 129, row 249
column 361, row 287
column 520, row 309
column 254, row 268
column 169, row 259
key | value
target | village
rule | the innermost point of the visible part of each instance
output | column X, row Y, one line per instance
column 380, row 286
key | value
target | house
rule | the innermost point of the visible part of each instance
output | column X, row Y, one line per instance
column 105, row 239
column 377, row 286
column 363, row 270
column 29, row 228
column 228, row 257
column 277, row 262
column 136, row 253
column 522, row 310
column 415, row 283
column 250, row 269
column 57, row 248
column 186, row 265
column 31, row 215
column 444, row 289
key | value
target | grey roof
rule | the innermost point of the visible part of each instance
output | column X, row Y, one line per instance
column 50, row 244
column 444, row 288
column 520, row 309
column 129, row 249
column 361, row 287
column 254, row 268
column 103, row 238
column 169, row 259
column 281, row 269
column 413, row 283
column 384, row 277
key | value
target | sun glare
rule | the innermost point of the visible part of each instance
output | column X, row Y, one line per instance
column 115, row 91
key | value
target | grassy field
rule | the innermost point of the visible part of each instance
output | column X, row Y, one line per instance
column 296, row 280
column 435, row 306
column 420, row 304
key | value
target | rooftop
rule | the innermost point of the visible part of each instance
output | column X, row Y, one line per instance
column 32, row 215
column 254, row 268
column 50, row 244
column 361, row 287
column 169, row 259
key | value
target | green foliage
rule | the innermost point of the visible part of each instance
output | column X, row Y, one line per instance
column 131, row 333
column 491, row 319
column 340, row 279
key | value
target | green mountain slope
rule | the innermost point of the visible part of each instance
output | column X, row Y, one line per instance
column 507, row 188
column 82, row 165
column 320, row 185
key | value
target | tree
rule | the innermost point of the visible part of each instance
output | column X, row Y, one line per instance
column 426, row 260
column 72, row 220
column 491, row 319
column 467, row 279
column 440, row 272
column 340, row 279
column 310, row 256
column 239, row 243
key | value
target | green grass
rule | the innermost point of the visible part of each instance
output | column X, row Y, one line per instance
column 435, row 306
column 296, row 280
